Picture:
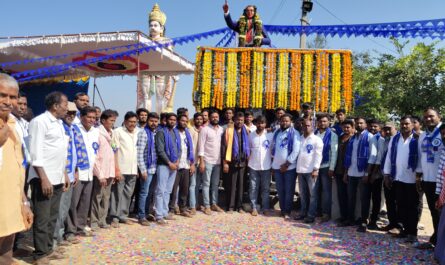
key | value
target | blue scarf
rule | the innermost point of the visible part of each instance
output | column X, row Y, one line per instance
column 151, row 159
column 189, row 143
column 362, row 151
column 82, row 154
column 412, row 157
column 170, row 150
column 338, row 129
column 69, row 162
column 430, row 143
column 288, row 140
column 326, row 144
column 245, row 144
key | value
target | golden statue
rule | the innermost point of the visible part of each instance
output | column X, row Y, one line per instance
column 163, row 86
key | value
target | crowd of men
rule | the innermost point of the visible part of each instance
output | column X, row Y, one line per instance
column 84, row 174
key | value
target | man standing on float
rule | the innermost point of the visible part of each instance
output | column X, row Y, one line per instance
column 249, row 27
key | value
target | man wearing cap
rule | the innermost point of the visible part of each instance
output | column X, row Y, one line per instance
column 71, row 169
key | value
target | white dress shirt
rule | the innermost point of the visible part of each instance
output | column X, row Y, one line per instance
column 22, row 129
column 281, row 155
column 251, row 128
column 184, row 163
column 311, row 154
column 429, row 170
column 91, row 139
column 403, row 173
column 260, row 150
column 48, row 147
column 126, row 144
column 353, row 169
column 332, row 151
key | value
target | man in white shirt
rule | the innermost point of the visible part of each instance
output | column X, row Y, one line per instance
column 260, row 162
column 430, row 147
column 125, row 140
column 360, row 152
column 186, row 168
column 326, row 172
column 400, row 171
column 286, row 147
column 248, row 121
column 86, row 138
column 308, row 165
column 48, row 149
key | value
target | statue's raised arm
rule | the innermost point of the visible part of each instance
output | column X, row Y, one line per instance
column 249, row 27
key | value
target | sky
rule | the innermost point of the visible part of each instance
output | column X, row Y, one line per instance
column 30, row 17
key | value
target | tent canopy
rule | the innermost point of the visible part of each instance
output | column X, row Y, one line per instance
column 78, row 47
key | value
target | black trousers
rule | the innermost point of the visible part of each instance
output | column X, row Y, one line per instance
column 135, row 196
column 234, row 187
column 342, row 196
column 182, row 183
column 46, row 211
column 391, row 206
column 376, row 196
column 354, row 184
column 407, row 206
column 431, row 197
column 80, row 207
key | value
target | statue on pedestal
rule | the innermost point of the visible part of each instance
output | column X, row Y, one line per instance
column 163, row 86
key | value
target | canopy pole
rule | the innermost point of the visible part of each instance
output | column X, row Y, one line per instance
column 94, row 92
column 98, row 92
column 138, row 80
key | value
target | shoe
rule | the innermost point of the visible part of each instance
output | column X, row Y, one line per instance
column 193, row 211
column 411, row 239
column 169, row 217
column 126, row 221
column 402, row 234
column 64, row 243
column 144, row 222
column 86, row 233
column 373, row 226
column 93, row 228
column 387, row 228
column 56, row 256
column 207, row 211
column 60, row 250
column 186, row 214
column 345, row 223
column 115, row 224
column 230, row 211
column 362, row 228
column 177, row 211
column 423, row 245
column 240, row 210
column 161, row 222
column 254, row 212
column 309, row 220
column 325, row 218
column 72, row 239
column 22, row 253
column 105, row 226
column 299, row 217
column 151, row 218
column 216, row 208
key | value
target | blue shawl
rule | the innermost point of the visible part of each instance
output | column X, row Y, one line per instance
column 338, row 129
column 69, row 162
column 82, row 154
column 151, row 159
column 189, row 143
column 288, row 140
column 245, row 144
column 326, row 144
column 412, row 157
column 428, row 144
column 169, row 149
column 362, row 151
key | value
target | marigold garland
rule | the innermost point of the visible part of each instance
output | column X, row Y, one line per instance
column 231, row 82
column 336, row 82
column 283, row 75
column 206, row 79
column 307, row 77
column 257, row 78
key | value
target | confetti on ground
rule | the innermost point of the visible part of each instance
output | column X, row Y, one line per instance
column 242, row 239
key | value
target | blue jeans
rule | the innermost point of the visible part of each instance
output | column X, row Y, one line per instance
column 308, row 191
column 195, row 183
column 259, row 179
column 166, row 179
column 326, row 190
column 143, row 196
column 210, row 181
column 286, row 189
